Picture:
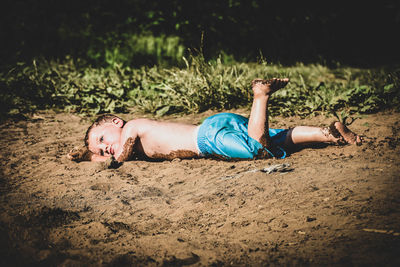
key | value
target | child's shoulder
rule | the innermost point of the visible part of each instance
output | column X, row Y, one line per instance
column 139, row 121
column 137, row 124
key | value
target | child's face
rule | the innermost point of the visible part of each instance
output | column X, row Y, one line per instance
column 105, row 139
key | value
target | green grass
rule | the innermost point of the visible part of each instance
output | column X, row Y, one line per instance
column 72, row 86
column 137, row 50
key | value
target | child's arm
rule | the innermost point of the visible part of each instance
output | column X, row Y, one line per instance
column 128, row 150
column 81, row 153
column 129, row 137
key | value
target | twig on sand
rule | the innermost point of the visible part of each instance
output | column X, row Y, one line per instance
column 389, row 232
column 285, row 167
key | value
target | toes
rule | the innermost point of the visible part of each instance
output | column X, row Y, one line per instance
column 283, row 82
column 277, row 83
column 345, row 133
column 256, row 81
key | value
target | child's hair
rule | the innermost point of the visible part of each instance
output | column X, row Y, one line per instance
column 99, row 121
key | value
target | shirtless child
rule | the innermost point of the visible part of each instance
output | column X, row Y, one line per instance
column 224, row 135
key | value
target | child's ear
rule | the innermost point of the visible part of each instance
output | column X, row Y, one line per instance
column 118, row 122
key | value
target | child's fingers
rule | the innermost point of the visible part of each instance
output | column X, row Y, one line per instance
column 73, row 156
column 76, row 154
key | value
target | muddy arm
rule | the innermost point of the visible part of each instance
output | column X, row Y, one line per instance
column 128, row 150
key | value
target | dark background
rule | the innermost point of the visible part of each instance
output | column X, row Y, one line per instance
column 358, row 33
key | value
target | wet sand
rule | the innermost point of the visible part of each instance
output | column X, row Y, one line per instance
column 334, row 206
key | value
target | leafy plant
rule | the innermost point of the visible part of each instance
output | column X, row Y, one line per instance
column 74, row 86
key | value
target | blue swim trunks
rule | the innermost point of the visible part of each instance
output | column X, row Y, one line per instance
column 225, row 135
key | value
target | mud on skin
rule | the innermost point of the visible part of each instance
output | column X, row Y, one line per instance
column 128, row 150
column 182, row 154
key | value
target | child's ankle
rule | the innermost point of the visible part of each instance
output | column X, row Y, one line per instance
column 261, row 95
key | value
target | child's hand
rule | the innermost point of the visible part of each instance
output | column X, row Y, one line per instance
column 79, row 154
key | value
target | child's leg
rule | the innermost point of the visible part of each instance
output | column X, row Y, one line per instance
column 258, row 121
column 337, row 133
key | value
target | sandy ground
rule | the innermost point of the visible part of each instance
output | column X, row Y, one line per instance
column 334, row 206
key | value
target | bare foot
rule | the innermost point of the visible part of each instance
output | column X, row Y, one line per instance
column 343, row 135
column 268, row 87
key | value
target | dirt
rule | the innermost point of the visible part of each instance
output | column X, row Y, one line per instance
column 335, row 205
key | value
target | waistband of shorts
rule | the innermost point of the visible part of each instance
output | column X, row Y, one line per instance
column 196, row 134
column 201, row 140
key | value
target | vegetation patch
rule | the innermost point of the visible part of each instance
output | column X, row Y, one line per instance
column 74, row 86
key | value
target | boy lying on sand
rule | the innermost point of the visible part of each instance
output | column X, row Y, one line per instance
column 224, row 135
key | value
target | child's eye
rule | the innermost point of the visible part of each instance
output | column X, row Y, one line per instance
column 101, row 139
column 101, row 152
